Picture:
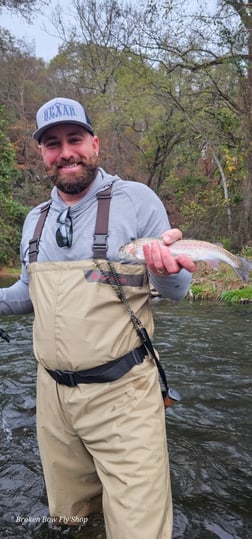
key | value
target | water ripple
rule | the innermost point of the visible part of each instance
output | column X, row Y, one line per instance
column 206, row 351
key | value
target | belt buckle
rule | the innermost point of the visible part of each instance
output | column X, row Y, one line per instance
column 67, row 376
column 138, row 360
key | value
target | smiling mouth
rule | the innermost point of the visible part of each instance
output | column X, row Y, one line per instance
column 69, row 166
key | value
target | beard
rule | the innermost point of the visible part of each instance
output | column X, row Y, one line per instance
column 74, row 184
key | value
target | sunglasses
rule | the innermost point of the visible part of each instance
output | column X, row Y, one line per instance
column 64, row 234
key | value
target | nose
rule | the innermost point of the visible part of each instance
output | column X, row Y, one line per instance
column 66, row 150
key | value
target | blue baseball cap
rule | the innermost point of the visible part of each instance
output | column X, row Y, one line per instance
column 61, row 110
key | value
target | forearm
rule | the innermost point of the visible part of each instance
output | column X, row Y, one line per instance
column 15, row 299
column 174, row 287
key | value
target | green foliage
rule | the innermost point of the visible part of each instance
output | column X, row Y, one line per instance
column 227, row 120
column 11, row 212
column 226, row 243
column 243, row 295
column 12, row 215
column 7, row 161
column 247, row 251
column 210, row 290
column 197, row 292
column 168, row 110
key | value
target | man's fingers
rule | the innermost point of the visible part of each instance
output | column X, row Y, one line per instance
column 160, row 261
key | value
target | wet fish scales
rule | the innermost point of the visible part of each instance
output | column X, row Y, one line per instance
column 198, row 250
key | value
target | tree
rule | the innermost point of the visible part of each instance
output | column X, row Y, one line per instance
column 27, row 8
column 12, row 213
column 243, row 10
column 203, row 51
column 167, row 94
column 186, row 86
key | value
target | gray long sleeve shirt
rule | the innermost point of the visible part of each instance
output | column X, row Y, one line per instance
column 135, row 212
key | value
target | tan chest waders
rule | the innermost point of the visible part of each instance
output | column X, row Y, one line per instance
column 119, row 366
column 100, row 414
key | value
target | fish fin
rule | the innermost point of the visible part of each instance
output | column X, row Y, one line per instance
column 245, row 266
column 213, row 262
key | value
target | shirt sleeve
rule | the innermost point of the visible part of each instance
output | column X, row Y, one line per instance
column 153, row 222
column 16, row 299
column 174, row 287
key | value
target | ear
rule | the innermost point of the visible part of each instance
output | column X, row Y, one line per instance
column 96, row 144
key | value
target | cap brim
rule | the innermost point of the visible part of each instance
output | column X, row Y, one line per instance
column 39, row 132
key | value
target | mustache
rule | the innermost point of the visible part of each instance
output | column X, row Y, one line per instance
column 87, row 164
column 72, row 161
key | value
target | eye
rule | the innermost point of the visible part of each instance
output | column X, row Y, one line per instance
column 76, row 140
column 51, row 144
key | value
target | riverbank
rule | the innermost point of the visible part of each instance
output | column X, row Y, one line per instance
column 207, row 284
column 9, row 272
column 222, row 285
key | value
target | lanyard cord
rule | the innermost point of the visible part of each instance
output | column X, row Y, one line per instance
column 117, row 287
column 142, row 333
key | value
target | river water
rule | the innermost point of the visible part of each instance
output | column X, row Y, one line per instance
column 206, row 350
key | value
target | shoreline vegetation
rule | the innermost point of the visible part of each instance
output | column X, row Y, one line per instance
column 207, row 284
column 222, row 285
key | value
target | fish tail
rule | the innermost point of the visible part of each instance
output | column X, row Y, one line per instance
column 243, row 269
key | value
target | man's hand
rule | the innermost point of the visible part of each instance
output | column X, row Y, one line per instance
column 159, row 259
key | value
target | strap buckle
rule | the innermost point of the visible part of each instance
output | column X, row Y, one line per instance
column 136, row 356
column 100, row 240
column 66, row 378
column 34, row 246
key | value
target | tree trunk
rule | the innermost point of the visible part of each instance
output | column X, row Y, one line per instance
column 247, row 193
column 244, row 10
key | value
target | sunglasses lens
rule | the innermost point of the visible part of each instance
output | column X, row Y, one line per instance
column 61, row 239
column 64, row 234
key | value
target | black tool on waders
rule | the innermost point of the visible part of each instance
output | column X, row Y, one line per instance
column 4, row 335
column 100, row 252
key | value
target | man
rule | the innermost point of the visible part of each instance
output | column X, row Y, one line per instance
column 100, row 413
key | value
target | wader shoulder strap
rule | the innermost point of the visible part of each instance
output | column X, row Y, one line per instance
column 34, row 242
column 101, row 227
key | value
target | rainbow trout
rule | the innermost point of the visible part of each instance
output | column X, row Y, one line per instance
column 197, row 250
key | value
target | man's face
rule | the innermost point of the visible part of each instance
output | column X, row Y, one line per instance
column 70, row 156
